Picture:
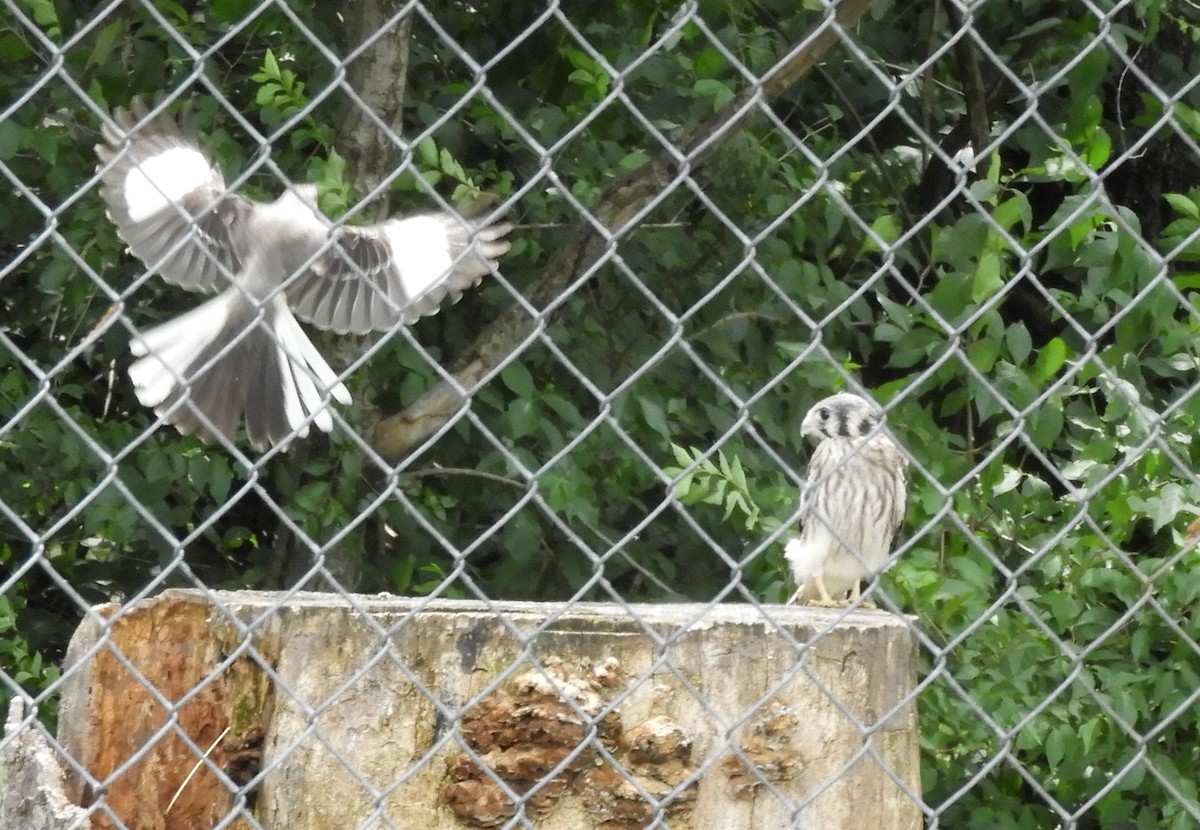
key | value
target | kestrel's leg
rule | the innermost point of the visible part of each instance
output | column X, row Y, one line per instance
column 806, row 587
column 856, row 592
column 824, row 600
column 822, row 592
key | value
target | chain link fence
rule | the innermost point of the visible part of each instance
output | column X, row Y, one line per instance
column 984, row 216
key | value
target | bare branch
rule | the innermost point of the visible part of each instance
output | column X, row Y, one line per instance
column 617, row 213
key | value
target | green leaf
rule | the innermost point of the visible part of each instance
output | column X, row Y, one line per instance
column 983, row 354
column 522, row 538
column 897, row 314
column 738, row 474
column 523, row 418
column 1018, row 341
column 44, row 14
column 518, row 379
column 1098, row 150
column 267, row 94
column 270, row 65
column 683, row 487
column 450, row 166
column 885, row 229
column 1046, row 425
column 578, row 58
column 105, row 42
column 1013, row 210
column 682, row 457
column 712, row 88
column 220, row 479
column 582, row 77
column 1166, row 505
column 736, row 502
column 985, row 190
column 655, row 417
column 427, row 152
column 230, row 11
column 1180, row 203
column 987, row 279
column 12, row 47
column 10, row 139
column 1188, row 118
column 633, row 160
column 1050, row 359
column 1059, row 742
column 312, row 497
column 402, row 574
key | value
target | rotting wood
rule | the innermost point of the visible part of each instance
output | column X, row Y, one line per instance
column 453, row 714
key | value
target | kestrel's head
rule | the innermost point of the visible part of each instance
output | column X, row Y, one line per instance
column 844, row 415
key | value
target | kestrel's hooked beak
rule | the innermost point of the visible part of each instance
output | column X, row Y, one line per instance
column 811, row 425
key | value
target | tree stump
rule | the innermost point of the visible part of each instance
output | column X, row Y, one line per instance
column 317, row 711
column 31, row 778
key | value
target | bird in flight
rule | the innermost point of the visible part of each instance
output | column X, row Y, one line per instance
column 242, row 354
column 852, row 502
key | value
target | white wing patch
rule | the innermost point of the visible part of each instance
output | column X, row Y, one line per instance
column 420, row 252
column 164, row 179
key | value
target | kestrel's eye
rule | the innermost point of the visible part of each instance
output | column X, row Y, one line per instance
column 865, row 427
column 823, row 413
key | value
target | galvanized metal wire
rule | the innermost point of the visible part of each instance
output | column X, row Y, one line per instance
column 606, row 417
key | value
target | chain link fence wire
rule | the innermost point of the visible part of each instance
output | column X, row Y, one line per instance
column 982, row 215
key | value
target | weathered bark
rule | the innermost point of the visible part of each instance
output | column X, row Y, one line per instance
column 377, row 73
column 452, row 714
column 618, row 210
column 31, row 780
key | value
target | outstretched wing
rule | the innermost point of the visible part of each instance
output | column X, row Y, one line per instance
column 168, row 201
column 371, row 278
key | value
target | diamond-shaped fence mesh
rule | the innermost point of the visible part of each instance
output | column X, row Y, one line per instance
column 982, row 215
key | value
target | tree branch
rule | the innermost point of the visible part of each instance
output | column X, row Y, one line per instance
column 616, row 213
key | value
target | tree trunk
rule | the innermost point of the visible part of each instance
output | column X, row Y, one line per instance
column 373, row 115
column 372, row 120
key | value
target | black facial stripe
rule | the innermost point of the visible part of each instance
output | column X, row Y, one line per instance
column 846, row 423
column 843, row 423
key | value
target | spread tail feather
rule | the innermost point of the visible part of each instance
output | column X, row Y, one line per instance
column 205, row 369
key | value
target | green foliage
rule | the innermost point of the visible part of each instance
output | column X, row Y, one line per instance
column 280, row 93
column 440, row 164
column 1031, row 328
column 701, row 481
column 23, row 665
